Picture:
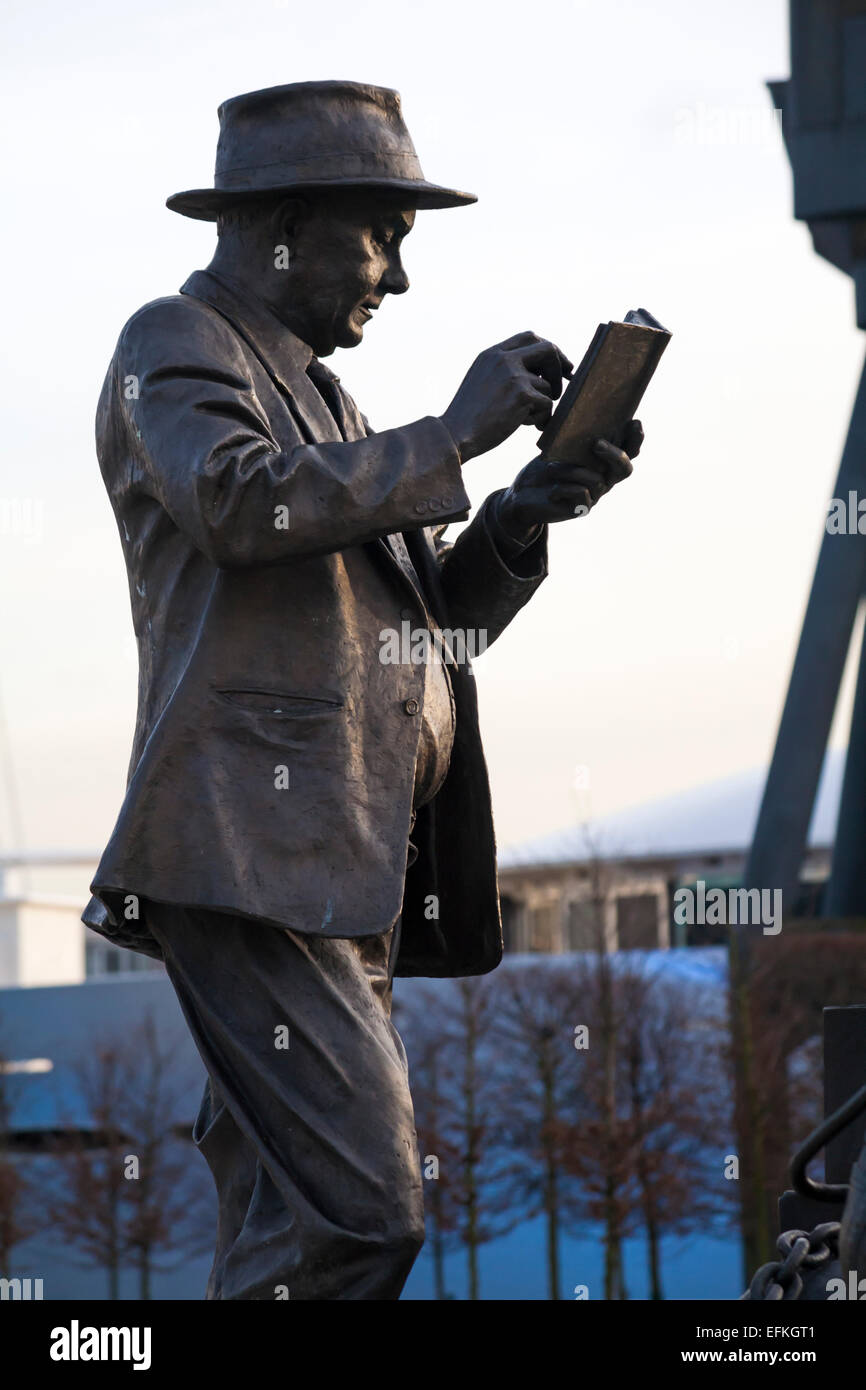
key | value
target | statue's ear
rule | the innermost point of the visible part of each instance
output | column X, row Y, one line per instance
column 288, row 215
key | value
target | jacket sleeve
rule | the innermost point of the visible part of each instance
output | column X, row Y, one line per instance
column 483, row 588
column 211, row 459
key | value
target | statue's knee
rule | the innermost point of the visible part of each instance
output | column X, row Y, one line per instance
column 407, row 1237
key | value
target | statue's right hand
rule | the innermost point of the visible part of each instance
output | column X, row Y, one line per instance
column 514, row 383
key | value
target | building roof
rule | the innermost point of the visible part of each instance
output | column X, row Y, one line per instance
column 62, row 1024
column 714, row 818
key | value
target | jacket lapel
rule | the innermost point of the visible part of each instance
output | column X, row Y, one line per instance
column 396, row 549
column 305, row 400
column 284, row 357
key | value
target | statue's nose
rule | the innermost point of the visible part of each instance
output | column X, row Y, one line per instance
column 395, row 281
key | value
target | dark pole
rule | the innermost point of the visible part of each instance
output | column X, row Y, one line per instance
column 789, row 796
column 844, row 1073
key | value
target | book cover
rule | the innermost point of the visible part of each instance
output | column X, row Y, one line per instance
column 606, row 388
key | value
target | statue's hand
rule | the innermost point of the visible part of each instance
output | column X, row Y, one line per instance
column 514, row 383
column 546, row 490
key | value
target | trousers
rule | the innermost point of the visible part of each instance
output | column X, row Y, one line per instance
column 306, row 1122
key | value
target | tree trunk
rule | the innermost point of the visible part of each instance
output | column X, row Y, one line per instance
column 757, row 1239
column 469, row 1087
column 551, row 1187
column 654, row 1265
column 639, row 1134
column 613, row 1275
column 144, row 1275
column 437, row 1244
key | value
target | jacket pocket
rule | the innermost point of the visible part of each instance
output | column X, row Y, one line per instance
column 280, row 702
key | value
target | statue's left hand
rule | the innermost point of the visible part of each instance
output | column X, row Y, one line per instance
column 546, row 490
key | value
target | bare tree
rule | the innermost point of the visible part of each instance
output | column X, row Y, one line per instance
column 607, row 1129
column 538, row 1010
column 168, row 1201
column 589, row 1089
column 680, row 1106
column 131, row 1189
column 20, row 1210
column 440, row 1158
column 87, row 1207
column 779, row 990
column 467, row 1118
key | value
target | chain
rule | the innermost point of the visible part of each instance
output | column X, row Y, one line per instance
column 833, row 1125
column 781, row 1279
column 807, row 1250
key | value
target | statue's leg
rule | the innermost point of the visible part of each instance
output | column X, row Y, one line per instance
column 308, row 1126
column 233, row 1163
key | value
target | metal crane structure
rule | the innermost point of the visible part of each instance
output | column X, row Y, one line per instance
column 823, row 106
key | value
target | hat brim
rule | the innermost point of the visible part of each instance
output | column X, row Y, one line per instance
column 205, row 204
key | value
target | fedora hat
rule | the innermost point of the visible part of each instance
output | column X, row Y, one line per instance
column 310, row 135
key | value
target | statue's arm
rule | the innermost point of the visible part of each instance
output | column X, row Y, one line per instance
column 244, row 497
column 485, row 577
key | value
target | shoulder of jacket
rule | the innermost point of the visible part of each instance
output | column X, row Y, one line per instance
column 175, row 316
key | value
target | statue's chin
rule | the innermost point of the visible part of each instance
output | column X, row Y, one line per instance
column 349, row 336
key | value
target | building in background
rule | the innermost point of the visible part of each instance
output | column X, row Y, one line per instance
column 612, row 882
column 607, row 882
column 42, row 938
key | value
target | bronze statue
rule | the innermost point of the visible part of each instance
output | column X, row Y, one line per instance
column 281, row 763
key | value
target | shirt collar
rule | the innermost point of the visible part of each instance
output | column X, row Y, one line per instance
column 254, row 318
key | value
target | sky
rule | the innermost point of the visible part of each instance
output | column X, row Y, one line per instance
column 624, row 155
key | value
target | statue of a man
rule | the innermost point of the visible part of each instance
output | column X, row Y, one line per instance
column 307, row 812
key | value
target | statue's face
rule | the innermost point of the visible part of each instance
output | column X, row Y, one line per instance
column 344, row 259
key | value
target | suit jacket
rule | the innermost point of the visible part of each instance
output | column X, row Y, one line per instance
column 274, row 753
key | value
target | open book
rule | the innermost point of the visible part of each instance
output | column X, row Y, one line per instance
column 606, row 388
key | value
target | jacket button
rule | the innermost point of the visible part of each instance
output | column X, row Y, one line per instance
column 420, row 507
column 412, row 706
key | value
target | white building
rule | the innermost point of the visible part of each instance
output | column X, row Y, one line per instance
column 611, row 882
column 608, row 882
column 42, row 938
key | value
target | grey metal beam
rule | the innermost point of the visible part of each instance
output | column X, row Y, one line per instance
column 846, row 894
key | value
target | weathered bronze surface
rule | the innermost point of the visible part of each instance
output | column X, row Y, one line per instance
column 281, row 760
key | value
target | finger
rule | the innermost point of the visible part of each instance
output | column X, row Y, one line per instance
column 577, row 473
column 546, row 358
column 519, row 340
column 595, row 483
column 633, row 438
column 578, row 500
column 532, row 340
column 541, row 386
column 566, row 364
column 539, row 410
column 618, row 462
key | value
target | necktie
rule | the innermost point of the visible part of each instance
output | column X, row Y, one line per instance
column 326, row 385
